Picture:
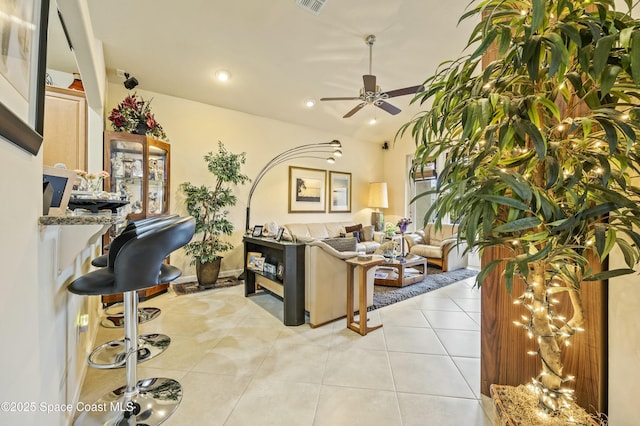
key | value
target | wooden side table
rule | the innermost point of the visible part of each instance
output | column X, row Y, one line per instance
column 359, row 326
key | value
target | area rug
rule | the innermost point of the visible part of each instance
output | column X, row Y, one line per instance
column 192, row 287
column 385, row 295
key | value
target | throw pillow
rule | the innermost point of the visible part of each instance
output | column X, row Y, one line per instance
column 341, row 244
column 356, row 229
column 367, row 233
column 353, row 228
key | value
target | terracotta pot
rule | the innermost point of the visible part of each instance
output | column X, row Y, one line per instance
column 207, row 273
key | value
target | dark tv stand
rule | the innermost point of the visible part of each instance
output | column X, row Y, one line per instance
column 290, row 287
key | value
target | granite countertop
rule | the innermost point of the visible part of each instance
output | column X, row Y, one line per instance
column 80, row 220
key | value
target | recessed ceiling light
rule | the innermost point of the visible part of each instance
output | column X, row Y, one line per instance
column 223, row 75
column 310, row 103
column 372, row 121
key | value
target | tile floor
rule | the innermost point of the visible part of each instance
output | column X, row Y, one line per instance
column 239, row 365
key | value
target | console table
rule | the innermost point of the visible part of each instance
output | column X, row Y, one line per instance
column 289, row 285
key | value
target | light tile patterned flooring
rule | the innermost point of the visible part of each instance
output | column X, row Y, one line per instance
column 239, row 365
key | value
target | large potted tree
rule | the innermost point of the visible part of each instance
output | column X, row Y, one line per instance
column 209, row 207
column 541, row 149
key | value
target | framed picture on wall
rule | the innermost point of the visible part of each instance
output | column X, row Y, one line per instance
column 339, row 192
column 22, row 74
column 307, row 189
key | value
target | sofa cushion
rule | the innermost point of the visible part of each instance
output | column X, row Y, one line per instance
column 341, row 244
column 437, row 237
column 413, row 239
column 427, row 251
column 367, row 233
column 318, row 231
column 334, row 229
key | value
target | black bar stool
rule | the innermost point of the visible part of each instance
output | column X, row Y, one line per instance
column 137, row 266
column 112, row 354
column 114, row 314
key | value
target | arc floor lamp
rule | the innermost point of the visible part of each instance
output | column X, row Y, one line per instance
column 322, row 150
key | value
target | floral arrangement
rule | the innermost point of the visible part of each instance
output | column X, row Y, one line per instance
column 389, row 230
column 91, row 181
column 134, row 115
column 404, row 221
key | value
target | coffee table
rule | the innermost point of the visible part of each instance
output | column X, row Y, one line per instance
column 401, row 271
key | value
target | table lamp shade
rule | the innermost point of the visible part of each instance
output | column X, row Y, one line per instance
column 378, row 195
column 378, row 199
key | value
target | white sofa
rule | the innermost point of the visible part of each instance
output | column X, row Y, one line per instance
column 440, row 247
column 326, row 283
column 306, row 232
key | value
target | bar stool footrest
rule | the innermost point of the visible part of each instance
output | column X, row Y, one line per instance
column 155, row 401
column 112, row 354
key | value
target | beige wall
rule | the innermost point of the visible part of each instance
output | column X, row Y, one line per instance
column 194, row 129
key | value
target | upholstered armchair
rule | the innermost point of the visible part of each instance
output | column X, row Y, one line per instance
column 439, row 247
column 326, row 282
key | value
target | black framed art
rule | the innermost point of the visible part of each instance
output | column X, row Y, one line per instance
column 24, row 47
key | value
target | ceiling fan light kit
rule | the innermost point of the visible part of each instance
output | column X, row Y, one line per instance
column 370, row 93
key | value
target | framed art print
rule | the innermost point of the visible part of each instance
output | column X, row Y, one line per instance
column 257, row 231
column 22, row 72
column 307, row 189
column 340, row 192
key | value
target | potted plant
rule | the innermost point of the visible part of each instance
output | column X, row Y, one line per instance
column 208, row 206
column 541, row 146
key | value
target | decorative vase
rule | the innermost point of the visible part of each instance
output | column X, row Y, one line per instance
column 77, row 83
column 207, row 273
column 141, row 128
column 403, row 228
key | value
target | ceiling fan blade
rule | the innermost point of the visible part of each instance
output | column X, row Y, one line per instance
column 406, row 91
column 387, row 107
column 369, row 83
column 340, row 99
column 356, row 109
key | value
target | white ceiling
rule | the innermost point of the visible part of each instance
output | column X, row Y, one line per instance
column 279, row 54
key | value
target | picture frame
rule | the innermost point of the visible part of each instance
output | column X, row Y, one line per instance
column 307, row 190
column 339, row 192
column 279, row 234
column 251, row 258
column 270, row 268
column 22, row 109
column 257, row 231
column 280, row 271
column 258, row 263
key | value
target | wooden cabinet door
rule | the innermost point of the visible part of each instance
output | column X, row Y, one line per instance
column 65, row 128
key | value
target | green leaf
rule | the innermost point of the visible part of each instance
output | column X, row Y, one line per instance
column 538, row 14
column 600, row 231
column 610, row 131
column 486, row 270
column 609, row 77
column 609, row 274
column 518, row 225
column 526, row 127
column 601, row 54
column 508, row 275
column 635, row 56
column 506, row 201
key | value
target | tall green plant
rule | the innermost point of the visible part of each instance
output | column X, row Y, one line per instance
column 542, row 147
column 208, row 205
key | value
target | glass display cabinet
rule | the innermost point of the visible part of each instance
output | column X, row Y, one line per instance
column 138, row 167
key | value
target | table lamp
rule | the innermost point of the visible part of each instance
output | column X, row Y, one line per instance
column 378, row 200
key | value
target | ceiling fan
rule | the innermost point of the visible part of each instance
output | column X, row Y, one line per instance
column 371, row 93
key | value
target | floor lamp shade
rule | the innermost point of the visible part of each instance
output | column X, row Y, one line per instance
column 378, row 199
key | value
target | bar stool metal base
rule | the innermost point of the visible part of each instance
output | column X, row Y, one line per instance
column 112, row 354
column 155, row 400
column 116, row 320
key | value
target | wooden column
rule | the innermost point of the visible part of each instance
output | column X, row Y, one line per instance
column 504, row 346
